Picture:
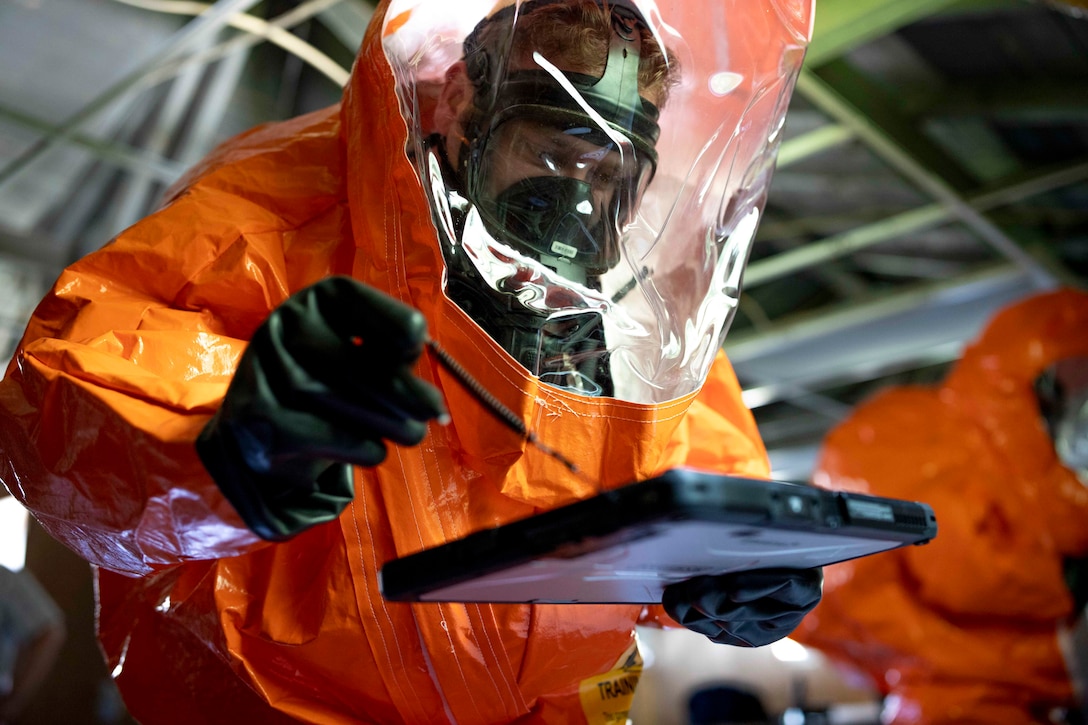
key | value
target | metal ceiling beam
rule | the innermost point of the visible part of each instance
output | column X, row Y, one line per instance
column 889, row 146
column 814, row 226
column 815, row 253
column 908, row 267
column 215, row 102
column 137, row 191
column 975, row 146
column 924, row 325
column 176, row 44
column 203, row 124
column 844, row 24
column 926, row 217
column 78, row 210
column 272, row 31
column 121, row 155
column 37, row 250
column 873, row 112
column 814, row 142
column 1049, row 102
column 291, row 18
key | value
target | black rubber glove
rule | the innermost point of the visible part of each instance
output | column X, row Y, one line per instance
column 745, row 609
column 324, row 380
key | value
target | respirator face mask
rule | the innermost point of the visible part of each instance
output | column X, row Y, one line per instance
column 559, row 192
column 561, row 196
column 555, row 166
column 1071, row 436
column 1063, row 399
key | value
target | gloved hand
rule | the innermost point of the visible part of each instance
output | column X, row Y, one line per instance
column 745, row 609
column 324, row 380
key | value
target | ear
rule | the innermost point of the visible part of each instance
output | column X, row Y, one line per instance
column 457, row 94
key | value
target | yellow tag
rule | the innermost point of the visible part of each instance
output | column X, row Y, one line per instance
column 606, row 698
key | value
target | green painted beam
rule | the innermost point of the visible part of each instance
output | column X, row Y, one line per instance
column 1043, row 101
column 884, row 134
column 975, row 146
column 845, row 24
column 877, row 109
column 129, row 158
column 842, row 25
column 812, row 143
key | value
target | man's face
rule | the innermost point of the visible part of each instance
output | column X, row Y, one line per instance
column 566, row 190
column 527, row 149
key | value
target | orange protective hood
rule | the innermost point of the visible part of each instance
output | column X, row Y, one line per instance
column 397, row 250
column 662, row 274
column 968, row 623
column 127, row 358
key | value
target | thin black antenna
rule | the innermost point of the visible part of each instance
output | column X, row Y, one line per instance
column 496, row 408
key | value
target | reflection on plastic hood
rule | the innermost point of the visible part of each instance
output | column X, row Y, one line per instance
column 638, row 193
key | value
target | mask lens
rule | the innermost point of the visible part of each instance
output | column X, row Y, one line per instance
column 1071, row 435
column 561, row 192
column 1063, row 399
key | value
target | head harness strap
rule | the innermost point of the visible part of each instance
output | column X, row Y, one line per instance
column 534, row 92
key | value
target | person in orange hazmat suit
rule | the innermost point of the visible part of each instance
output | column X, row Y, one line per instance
column 237, row 411
column 966, row 629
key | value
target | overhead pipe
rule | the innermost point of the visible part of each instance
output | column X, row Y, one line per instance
column 830, row 102
column 273, row 31
column 213, row 19
column 126, row 157
column 924, row 217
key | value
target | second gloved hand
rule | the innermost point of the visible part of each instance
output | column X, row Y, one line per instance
column 748, row 608
column 325, row 381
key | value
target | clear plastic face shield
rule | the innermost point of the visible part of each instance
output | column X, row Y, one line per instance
column 1062, row 390
column 558, row 191
column 596, row 171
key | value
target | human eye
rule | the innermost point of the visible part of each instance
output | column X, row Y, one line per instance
column 548, row 159
column 605, row 174
column 538, row 152
column 609, row 171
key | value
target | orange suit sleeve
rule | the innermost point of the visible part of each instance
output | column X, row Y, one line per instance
column 131, row 352
column 121, row 365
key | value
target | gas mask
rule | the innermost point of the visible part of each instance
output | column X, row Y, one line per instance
column 1062, row 390
column 597, row 198
column 1071, row 435
column 557, row 161
column 554, row 166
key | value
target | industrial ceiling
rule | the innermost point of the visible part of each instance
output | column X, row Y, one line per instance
column 934, row 168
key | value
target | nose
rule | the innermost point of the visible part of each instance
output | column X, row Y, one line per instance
column 582, row 170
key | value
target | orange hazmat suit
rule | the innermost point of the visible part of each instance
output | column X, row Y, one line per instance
column 128, row 357
column 965, row 629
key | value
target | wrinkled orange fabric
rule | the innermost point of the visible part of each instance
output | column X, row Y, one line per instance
column 964, row 629
column 129, row 355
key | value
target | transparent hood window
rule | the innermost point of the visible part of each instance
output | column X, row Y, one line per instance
column 1062, row 391
column 596, row 172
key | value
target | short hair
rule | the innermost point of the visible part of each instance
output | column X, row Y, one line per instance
column 576, row 35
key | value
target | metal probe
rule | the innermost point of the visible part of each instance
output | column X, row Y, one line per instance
column 495, row 407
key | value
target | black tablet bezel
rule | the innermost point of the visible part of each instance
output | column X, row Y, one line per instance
column 617, row 517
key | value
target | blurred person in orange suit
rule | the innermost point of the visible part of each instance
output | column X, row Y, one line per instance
column 967, row 629
column 237, row 411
